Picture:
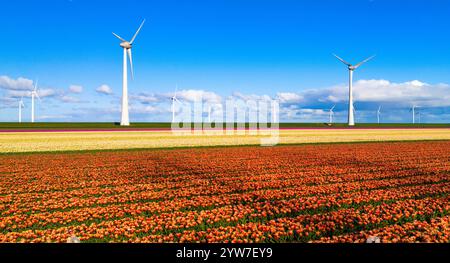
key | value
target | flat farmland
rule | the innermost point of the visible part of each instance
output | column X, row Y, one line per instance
column 17, row 142
column 398, row 191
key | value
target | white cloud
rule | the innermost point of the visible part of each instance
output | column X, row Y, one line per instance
column 69, row 99
column 104, row 89
column 294, row 113
column 46, row 93
column 289, row 97
column 198, row 95
column 312, row 111
column 15, row 84
column 416, row 83
column 376, row 91
column 254, row 97
column 145, row 98
column 145, row 109
column 411, row 92
column 76, row 89
column 24, row 93
column 7, row 102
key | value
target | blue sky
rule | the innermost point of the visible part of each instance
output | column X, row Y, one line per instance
column 275, row 48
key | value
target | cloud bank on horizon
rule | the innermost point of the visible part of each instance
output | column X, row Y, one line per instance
column 309, row 105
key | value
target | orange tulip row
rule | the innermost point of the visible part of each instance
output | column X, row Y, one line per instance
column 246, row 194
column 300, row 228
column 288, row 187
column 176, row 220
column 436, row 230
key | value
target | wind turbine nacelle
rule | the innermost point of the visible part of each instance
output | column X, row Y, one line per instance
column 126, row 45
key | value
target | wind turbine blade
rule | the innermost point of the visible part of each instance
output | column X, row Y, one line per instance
column 343, row 61
column 121, row 39
column 333, row 107
column 137, row 32
column 364, row 61
column 36, row 85
column 131, row 63
column 37, row 95
column 176, row 90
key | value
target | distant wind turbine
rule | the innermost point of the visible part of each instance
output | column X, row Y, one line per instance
column 127, row 45
column 351, row 68
column 378, row 114
column 34, row 93
column 174, row 99
column 21, row 105
column 413, row 110
column 332, row 114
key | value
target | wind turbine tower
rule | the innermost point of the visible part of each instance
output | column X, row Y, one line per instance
column 351, row 68
column 332, row 114
column 174, row 99
column 21, row 105
column 413, row 110
column 34, row 93
column 127, row 45
column 378, row 114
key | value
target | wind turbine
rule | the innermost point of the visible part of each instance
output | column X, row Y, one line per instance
column 378, row 114
column 34, row 93
column 127, row 45
column 21, row 105
column 351, row 68
column 413, row 110
column 174, row 99
column 332, row 114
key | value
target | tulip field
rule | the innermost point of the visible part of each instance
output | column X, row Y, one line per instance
column 396, row 191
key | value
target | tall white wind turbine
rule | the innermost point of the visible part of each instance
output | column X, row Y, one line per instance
column 332, row 114
column 378, row 114
column 351, row 68
column 174, row 100
column 21, row 105
column 127, row 45
column 34, row 93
